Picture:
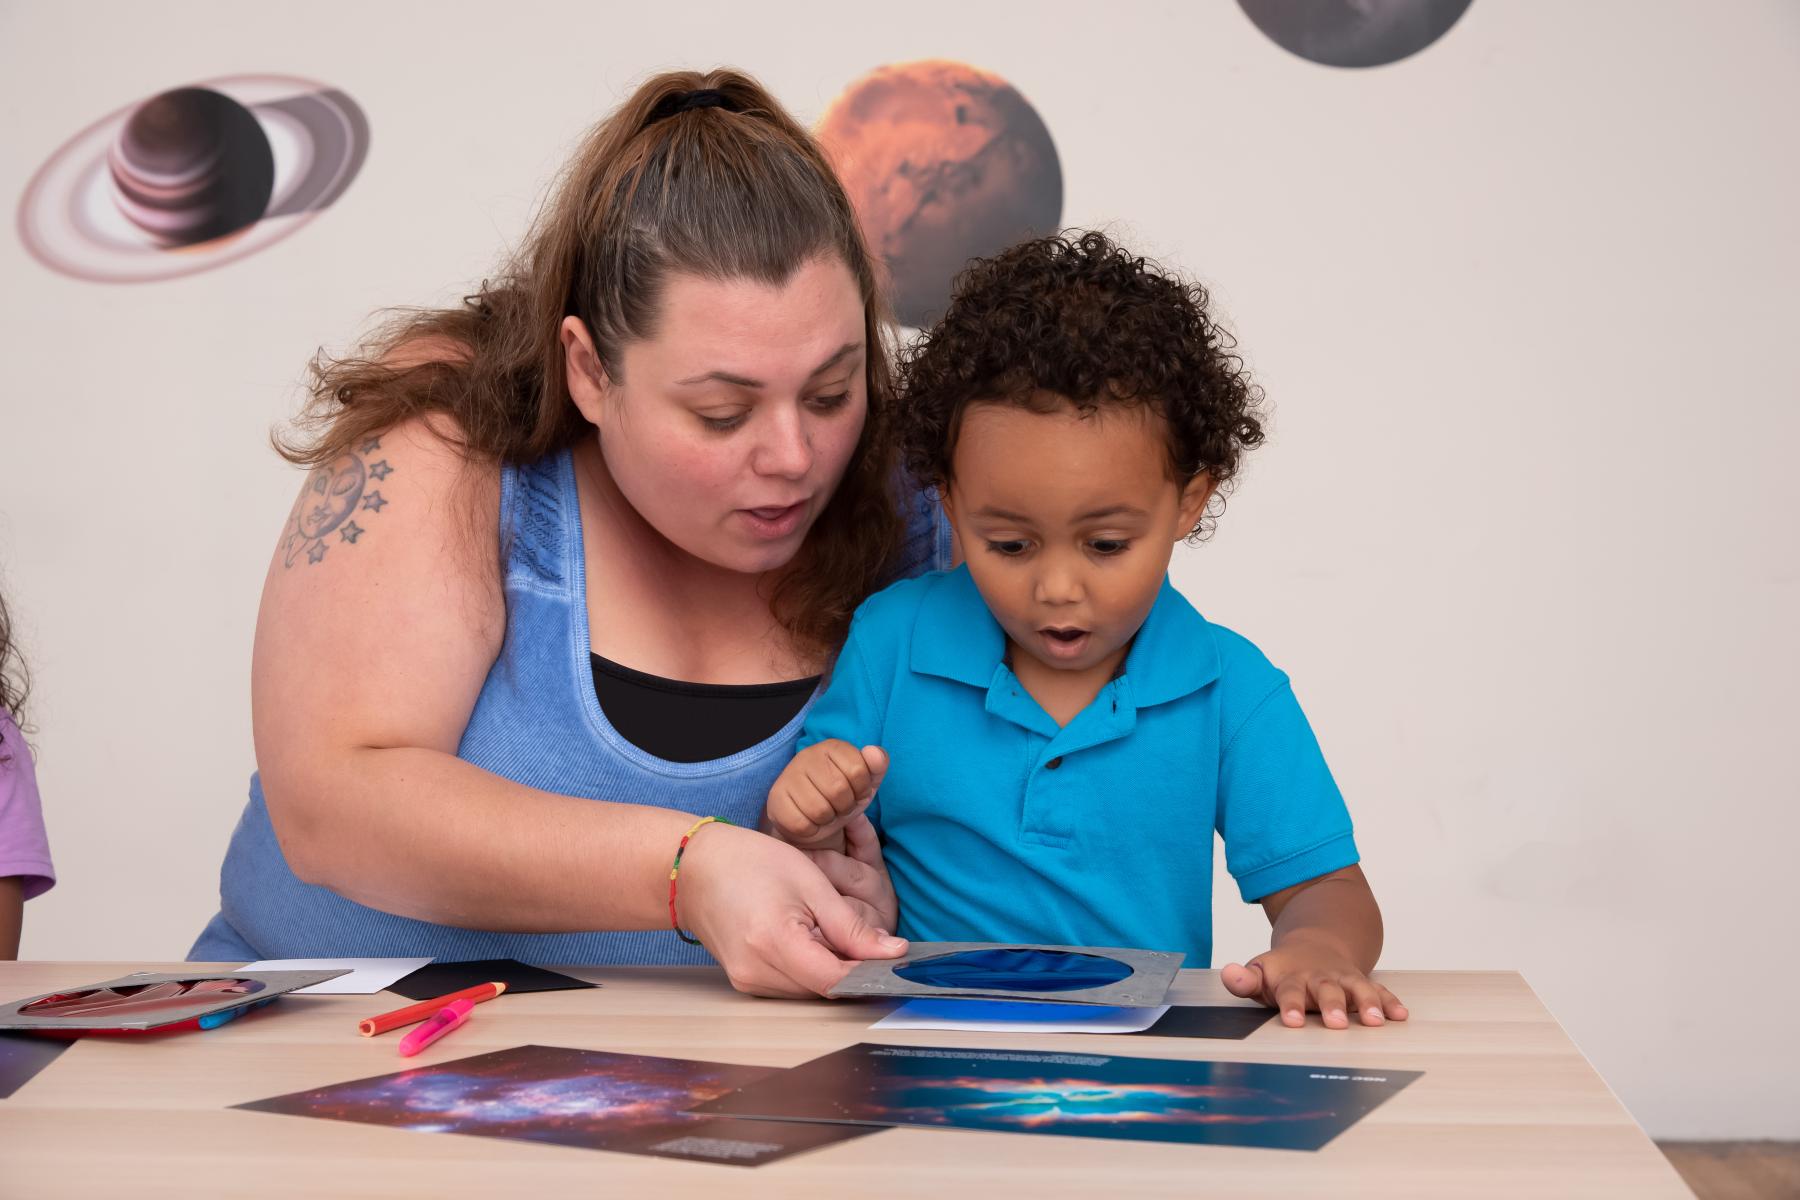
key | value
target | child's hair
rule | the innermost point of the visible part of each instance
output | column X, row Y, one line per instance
column 1078, row 320
column 13, row 682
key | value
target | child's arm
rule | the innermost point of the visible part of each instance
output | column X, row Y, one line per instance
column 820, row 790
column 1327, row 937
column 830, row 779
column 12, row 915
column 1289, row 842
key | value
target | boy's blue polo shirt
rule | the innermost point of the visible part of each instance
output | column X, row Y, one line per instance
column 999, row 826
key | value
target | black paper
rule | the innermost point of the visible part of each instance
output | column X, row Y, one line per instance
column 22, row 1056
column 441, row 978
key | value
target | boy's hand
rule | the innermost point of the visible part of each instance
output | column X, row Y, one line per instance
column 1301, row 978
column 822, row 788
column 860, row 875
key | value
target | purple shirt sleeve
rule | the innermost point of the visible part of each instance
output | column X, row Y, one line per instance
column 24, row 850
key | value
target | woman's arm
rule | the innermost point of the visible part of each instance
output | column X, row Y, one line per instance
column 372, row 645
column 377, row 629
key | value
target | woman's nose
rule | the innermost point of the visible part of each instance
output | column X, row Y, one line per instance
column 785, row 448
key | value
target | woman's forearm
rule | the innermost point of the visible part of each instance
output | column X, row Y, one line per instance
column 423, row 834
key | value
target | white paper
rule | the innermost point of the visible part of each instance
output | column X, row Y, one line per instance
column 1019, row 1016
column 367, row 975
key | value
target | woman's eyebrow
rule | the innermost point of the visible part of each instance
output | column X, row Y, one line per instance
column 745, row 381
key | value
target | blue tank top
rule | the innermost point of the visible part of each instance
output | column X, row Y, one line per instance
column 538, row 722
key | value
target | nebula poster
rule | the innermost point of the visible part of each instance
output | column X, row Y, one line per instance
column 592, row 1099
column 1085, row 1095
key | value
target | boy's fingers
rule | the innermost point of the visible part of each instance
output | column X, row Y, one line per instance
column 813, row 804
column 1290, row 998
column 1390, row 1004
column 1244, row 981
column 876, row 760
column 1330, row 998
column 850, row 766
column 1365, row 998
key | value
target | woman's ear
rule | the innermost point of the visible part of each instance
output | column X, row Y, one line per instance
column 586, row 376
column 1194, row 498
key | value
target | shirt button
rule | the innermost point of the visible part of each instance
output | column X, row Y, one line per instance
column 1053, row 763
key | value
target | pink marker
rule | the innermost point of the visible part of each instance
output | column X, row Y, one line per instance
column 436, row 1026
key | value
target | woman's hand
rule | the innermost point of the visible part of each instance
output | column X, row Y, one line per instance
column 860, row 875
column 770, row 917
column 1297, row 978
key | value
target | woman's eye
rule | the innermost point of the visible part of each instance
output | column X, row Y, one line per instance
column 1107, row 547
column 722, row 424
column 831, row 403
column 1009, row 549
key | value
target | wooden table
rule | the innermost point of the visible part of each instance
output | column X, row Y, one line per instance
column 1507, row 1105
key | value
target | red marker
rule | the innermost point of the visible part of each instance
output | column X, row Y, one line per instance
column 371, row 1026
column 451, row 1016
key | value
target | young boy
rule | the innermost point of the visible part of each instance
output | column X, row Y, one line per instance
column 1054, row 731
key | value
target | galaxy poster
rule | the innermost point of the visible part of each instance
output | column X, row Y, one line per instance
column 1085, row 1095
column 592, row 1099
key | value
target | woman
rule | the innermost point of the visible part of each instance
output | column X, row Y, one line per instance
column 567, row 569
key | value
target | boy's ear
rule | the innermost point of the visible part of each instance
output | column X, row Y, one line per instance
column 587, row 379
column 1194, row 497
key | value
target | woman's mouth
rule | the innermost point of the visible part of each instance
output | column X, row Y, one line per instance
column 1063, row 642
column 772, row 523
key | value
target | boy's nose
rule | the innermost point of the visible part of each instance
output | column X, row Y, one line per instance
column 1059, row 586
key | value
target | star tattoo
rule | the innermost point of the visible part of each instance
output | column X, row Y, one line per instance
column 373, row 502
column 317, row 553
column 351, row 532
column 369, row 446
column 381, row 470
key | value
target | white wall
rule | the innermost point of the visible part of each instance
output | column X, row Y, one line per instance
column 1522, row 534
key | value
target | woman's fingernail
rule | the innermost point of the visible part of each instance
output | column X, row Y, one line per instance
column 890, row 942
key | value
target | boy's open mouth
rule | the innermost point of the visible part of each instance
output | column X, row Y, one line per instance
column 1064, row 641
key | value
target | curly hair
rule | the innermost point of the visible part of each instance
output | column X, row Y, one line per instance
column 1079, row 320
column 14, row 683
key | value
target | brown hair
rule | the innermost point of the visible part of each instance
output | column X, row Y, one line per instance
column 728, row 188
column 14, row 683
column 1076, row 319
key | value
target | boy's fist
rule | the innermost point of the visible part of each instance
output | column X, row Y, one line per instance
column 818, row 793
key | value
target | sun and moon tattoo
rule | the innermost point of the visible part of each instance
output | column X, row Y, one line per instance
column 335, row 495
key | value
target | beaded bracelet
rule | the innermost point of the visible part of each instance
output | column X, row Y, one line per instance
column 675, row 870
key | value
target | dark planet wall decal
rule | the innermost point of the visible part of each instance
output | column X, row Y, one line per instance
column 192, row 165
column 1354, row 33
column 945, row 162
column 192, row 178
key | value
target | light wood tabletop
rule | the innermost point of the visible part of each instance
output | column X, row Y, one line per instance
column 1507, row 1105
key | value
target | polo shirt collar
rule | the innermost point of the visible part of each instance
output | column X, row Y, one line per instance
column 957, row 638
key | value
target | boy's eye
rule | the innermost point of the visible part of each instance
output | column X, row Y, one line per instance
column 1010, row 549
column 1107, row 547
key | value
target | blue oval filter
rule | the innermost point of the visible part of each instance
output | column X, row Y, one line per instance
column 1011, row 969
